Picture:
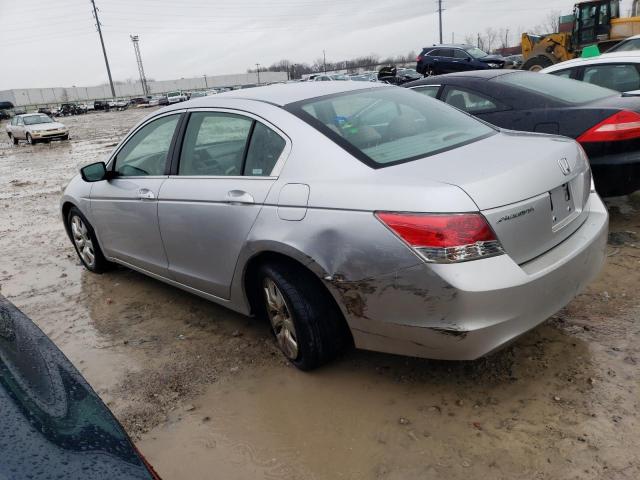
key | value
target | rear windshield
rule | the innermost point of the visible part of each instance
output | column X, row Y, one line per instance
column 387, row 126
column 558, row 88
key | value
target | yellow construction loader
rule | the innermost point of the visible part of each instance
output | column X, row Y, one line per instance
column 592, row 23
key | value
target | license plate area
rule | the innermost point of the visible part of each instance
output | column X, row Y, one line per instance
column 563, row 209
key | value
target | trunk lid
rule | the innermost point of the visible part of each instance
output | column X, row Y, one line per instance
column 533, row 189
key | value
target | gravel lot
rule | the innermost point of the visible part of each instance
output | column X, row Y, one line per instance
column 205, row 393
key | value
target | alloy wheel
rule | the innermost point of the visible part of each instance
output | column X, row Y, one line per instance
column 82, row 241
column 281, row 319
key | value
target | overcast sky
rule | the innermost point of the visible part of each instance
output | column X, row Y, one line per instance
column 47, row 43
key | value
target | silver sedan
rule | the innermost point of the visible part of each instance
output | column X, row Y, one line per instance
column 348, row 213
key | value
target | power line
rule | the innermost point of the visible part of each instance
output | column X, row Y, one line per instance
column 104, row 50
column 143, row 79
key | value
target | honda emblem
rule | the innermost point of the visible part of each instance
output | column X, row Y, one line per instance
column 564, row 166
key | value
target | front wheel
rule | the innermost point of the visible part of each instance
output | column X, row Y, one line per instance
column 536, row 64
column 85, row 242
column 307, row 324
column 30, row 139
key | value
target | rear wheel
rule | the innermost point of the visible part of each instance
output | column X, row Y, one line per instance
column 85, row 242
column 536, row 64
column 13, row 139
column 429, row 72
column 307, row 324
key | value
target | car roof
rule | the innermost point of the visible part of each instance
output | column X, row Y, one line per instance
column 616, row 57
column 482, row 74
column 36, row 114
column 284, row 94
column 450, row 45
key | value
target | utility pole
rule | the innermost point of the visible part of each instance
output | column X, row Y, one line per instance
column 324, row 56
column 506, row 39
column 258, row 71
column 104, row 51
column 206, row 85
column 143, row 80
column 440, row 10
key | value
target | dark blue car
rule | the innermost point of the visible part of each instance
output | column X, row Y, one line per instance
column 52, row 424
column 440, row 59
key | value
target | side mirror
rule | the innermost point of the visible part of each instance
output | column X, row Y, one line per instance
column 96, row 172
column 468, row 59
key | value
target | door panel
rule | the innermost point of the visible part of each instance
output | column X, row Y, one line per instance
column 127, row 224
column 125, row 208
column 204, row 223
column 206, row 211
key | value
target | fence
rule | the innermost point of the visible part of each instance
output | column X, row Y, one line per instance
column 47, row 96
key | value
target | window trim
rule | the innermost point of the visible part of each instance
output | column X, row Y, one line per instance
column 277, row 168
column 111, row 163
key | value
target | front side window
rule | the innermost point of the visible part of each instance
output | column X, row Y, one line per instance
column 560, row 89
column 145, row 154
column 460, row 54
column 387, row 126
column 471, row 102
column 623, row 78
column 221, row 144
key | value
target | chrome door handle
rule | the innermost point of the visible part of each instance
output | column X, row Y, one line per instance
column 146, row 194
column 239, row 197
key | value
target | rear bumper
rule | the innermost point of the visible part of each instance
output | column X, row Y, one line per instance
column 467, row 310
column 616, row 174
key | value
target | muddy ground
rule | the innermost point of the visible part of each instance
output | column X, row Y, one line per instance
column 206, row 395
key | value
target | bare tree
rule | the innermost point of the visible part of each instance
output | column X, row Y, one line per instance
column 491, row 34
column 552, row 22
column 470, row 39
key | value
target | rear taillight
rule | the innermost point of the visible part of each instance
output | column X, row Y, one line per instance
column 623, row 125
column 444, row 238
column 419, row 59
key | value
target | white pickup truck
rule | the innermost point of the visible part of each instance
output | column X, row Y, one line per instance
column 176, row 97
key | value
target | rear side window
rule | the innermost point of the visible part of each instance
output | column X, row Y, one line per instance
column 387, row 126
column 568, row 73
column 471, row 102
column 560, row 89
column 622, row 78
column 219, row 144
column 428, row 90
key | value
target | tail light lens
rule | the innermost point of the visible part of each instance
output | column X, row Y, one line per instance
column 624, row 125
column 444, row 238
column 419, row 58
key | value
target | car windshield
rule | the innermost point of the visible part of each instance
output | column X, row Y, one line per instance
column 629, row 45
column 387, row 126
column 35, row 119
column 476, row 52
column 173, row 94
column 558, row 88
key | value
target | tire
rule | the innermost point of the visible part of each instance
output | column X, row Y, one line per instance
column 85, row 238
column 66, row 137
column 14, row 139
column 430, row 72
column 319, row 333
column 30, row 139
column 536, row 64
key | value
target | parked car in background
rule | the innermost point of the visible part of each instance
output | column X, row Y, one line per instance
column 440, row 59
column 154, row 101
column 45, row 110
column 197, row 95
column 34, row 128
column 365, row 77
column 138, row 101
column 5, row 114
column 53, row 424
column 604, row 122
column 101, row 105
column 118, row 104
column 176, row 97
column 163, row 100
column 66, row 109
column 82, row 108
column 515, row 61
column 428, row 202
column 628, row 45
column 6, row 105
column 617, row 71
column 19, row 110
